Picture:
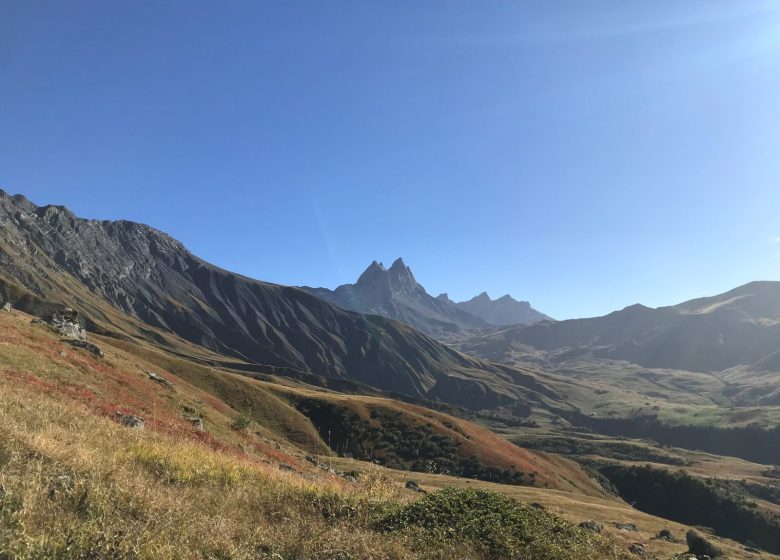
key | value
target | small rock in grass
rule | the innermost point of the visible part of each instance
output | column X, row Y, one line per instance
column 666, row 535
column 197, row 422
column 591, row 525
column 88, row 346
column 413, row 486
column 129, row 421
column 7, row 306
column 625, row 526
column 638, row 549
column 159, row 379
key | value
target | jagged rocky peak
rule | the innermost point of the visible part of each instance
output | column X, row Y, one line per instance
column 444, row 298
column 376, row 271
column 398, row 277
column 395, row 293
column 401, row 276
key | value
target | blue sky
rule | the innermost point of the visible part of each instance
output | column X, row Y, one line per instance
column 582, row 155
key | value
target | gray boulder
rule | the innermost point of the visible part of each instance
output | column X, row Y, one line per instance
column 197, row 422
column 7, row 306
column 66, row 322
column 591, row 525
column 129, row 421
column 666, row 535
column 699, row 546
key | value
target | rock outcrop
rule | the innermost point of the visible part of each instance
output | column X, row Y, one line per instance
column 699, row 546
column 66, row 322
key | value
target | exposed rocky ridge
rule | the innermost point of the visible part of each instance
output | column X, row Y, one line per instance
column 395, row 293
column 47, row 255
column 503, row 311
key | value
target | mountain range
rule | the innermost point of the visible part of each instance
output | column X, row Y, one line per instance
column 503, row 311
column 129, row 279
column 395, row 293
column 733, row 338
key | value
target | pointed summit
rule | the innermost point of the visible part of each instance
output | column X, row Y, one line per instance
column 373, row 272
column 401, row 276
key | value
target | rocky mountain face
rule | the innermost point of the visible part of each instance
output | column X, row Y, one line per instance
column 394, row 293
column 503, row 311
column 118, row 273
column 735, row 335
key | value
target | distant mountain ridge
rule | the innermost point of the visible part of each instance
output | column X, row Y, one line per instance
column 503, row 311
column 727, row 335
column 395, row 293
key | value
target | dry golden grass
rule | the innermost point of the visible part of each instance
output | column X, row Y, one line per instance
column 575, row 508
column 79, row 486
column 74, row 483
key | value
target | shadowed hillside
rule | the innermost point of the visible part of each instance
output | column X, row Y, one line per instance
column 49, row 256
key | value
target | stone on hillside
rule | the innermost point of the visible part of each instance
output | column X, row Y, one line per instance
column 159, row 379
column 7, row 306
column 197, row 422
column 66, row 322
column 638, row 549
column 88, row 346
column 700, row 546
column 129, row 421
column 666, row 535
column 591, row 525
column 413, row 486
column 625, row 526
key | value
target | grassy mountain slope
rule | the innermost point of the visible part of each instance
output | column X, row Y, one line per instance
column 76, row 483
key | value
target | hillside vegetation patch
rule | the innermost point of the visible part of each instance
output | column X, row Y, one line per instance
column 500, row 527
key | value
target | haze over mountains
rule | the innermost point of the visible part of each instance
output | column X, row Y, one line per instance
column 734, row 337
column 395, row 293
column 503, row 311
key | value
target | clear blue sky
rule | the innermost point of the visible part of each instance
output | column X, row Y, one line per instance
column 582, row 155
